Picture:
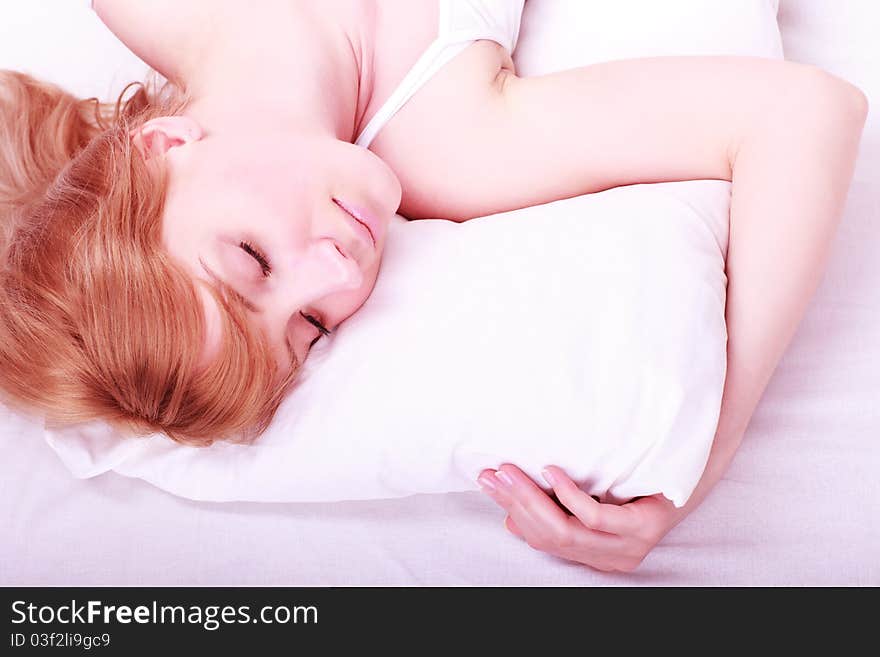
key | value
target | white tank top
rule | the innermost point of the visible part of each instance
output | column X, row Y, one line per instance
column 461, row 23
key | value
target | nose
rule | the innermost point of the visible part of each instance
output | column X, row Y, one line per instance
column 321, row 269
column 345, row 273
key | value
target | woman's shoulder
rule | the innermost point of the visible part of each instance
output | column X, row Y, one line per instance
column 416, row 138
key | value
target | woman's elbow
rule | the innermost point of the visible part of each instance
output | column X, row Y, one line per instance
column 832, row 98
column 859, row 101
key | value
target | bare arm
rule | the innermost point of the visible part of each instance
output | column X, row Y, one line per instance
column 151, row 29
column 786, row 135
column 507, row 142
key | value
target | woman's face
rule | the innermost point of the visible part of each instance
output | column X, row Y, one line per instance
column 263, row 212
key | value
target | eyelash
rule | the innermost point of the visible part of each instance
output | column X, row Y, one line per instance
column 314, row 322
column 266, row 267
column 257, row 255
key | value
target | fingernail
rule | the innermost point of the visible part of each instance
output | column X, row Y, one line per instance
column 504, row 478
column 486, row 483
column 548, row 477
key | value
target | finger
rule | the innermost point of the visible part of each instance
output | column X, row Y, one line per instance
column 531, row 527
column 492, row 487
column 572, row 541
column 512, row 527
column 534, row 532
column 580, row 544
column 534, row 501
column 601, row 517
column 518, row 521
column 501, row 494
column 486, row 472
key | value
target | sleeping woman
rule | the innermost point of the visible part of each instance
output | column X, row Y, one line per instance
column 168, row 261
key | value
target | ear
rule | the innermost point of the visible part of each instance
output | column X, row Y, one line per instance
column 157, row 135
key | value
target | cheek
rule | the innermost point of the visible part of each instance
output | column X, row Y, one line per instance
column 211, row 341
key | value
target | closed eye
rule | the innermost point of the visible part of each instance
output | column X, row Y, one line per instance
column 314, row 322
column 258, row 255
column 266, row 268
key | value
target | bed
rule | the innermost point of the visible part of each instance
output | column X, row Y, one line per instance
column 799, row 506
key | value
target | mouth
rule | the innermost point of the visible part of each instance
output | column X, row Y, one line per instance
column 359, row 219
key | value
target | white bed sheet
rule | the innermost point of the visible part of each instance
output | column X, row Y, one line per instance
column 799, row 506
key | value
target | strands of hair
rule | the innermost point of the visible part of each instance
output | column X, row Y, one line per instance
column 97, row 322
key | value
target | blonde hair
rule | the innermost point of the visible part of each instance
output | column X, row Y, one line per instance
column 96, row 320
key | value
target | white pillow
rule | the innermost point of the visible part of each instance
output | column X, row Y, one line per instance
column 560, row 34
column 588, row 333
column 471, row 351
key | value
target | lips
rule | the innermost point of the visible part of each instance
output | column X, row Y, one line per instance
column 361, row 218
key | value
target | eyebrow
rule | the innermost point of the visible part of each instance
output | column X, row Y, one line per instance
column 247, row 303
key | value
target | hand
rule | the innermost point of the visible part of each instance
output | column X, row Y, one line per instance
column 606, row 537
